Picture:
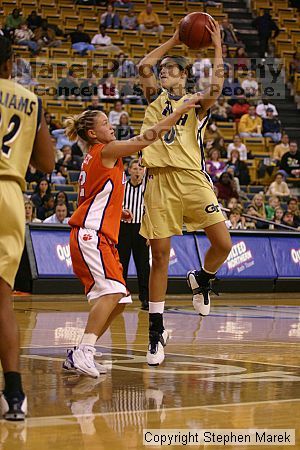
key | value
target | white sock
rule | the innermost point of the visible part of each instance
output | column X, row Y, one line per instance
column 89, row 339
column 156, row 307
column 207, row 271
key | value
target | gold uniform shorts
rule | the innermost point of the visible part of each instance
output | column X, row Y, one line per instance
column 174, row 197
column 12, row 229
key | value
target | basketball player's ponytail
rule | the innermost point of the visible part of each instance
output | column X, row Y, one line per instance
column 77, row 126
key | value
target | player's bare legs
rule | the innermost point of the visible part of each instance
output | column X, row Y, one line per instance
column 100, row 313
column 9, row 349
column 157, row 292
column 199, row 281
column 118, row 310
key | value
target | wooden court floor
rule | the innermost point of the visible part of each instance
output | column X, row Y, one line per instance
column 237, row 368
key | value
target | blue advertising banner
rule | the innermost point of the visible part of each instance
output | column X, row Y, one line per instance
column 183, row 257
column 286, row 256
column 52, row 253
column 250, row 257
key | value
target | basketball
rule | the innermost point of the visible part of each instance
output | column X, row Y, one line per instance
column 192, row 31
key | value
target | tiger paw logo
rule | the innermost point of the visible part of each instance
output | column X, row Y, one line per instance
column 87, row 237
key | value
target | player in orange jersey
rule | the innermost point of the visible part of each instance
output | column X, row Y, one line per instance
column 95, row 224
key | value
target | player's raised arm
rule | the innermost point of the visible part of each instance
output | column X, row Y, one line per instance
column 42, row 157
column 146, row 75
column 211, row 94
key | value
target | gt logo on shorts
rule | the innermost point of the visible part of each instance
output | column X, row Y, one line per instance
column 212, row 208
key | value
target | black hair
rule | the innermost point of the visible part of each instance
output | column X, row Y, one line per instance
column 46, row 198
column 5, row 50
column 37, row 188
column 58, row 201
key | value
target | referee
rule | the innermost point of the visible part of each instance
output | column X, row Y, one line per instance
column 129, row 238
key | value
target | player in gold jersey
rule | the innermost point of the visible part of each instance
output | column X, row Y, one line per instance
column 178, row 190
column 24, row 137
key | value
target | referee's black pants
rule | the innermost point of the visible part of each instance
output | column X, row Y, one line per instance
column 131, row 241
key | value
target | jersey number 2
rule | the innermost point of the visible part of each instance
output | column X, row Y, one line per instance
column 12, row 132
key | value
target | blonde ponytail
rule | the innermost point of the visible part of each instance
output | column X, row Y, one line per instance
column 77, row 126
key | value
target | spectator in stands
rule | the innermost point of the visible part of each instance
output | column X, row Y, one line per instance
column 281, row 149
column 115, row 114
column 278, row 215
column 240, row 108
column 290, row 162
column 33, row 175
column 103, row 42
column 71, row 162
column 226, row 187
column 221, row 111
column 89, row 87
column 68, row 87
column 225, row 53
column 61, row 197
column 279, row 186
column 294, row 66
column 228, row 33
column 240, row 167
column 265, row 26
column 24, row 36
column 34, row 21
column 262, row 108
column 149, row 21
column 30, row 212
column 273, row 203
column 258, row 202
column 46, row 208
column 95, row 103
column 129, row 21
column 231, row 86
column 60, row 215
column 45, row 36
column 61, row 138
column 123, row 130
column 131, row 93
column 205, row 80
column 250, row 85
column 289, row 219
column 42, row 188
column 13, row 20
column 22, row 71
column 219, row 144
column 293, row 207
column 81, row 42
column 233, row 203
column 110, row 19
column 250, row 124
column 198, row 66
column 107, row 88
column 272, row 127
column 242, row 60
column 252, row 223
column 235, row 220
column 126, row 67
column 212, row 131
column 57, row 177
column 123, row 4
column 50, row 122
column 214, row 166
column 238, row 145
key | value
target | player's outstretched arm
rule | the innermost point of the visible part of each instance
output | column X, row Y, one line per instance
column 121, row 149
column 211, row 94
column 146, row 75
column 42, row 157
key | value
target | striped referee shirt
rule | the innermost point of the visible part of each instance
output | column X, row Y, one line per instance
column 134, row 200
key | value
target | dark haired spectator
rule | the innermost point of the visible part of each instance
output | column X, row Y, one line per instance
column 277, row 218
column 294, row 66
column 250, row 124
column 129, row 21
column 60, row 214
column 221, row 111
column 265, row 26
column 61, row 197
column 280, row 149
column 273, row 203
column 69, row 161
column 242, row 60
column 132, row 93
column 293, row 207
column 124, row 131
column 81, row 41
column 42, row 188
column 68, row 87
column 272, row 127
column 34, row 20
column 110, row 19
column 103, row 42
column 95, row 103
column 89, row 87
column 219, row 144
column 289, row 219
column 33, row 175
column 235, row 220
column 290, row 162
column 107, row 88
column 46, row 36
column 231, row 86
column 240, row 107
column 226, row 187
column 279, row 186
column 214, row 166
column 149, row 21
column 30, row 212
column 24, row 36
column 126, row 67
column 240, row 167
column 50, row 122
column 262, row 108
column 13, row 20
column 46, row 208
